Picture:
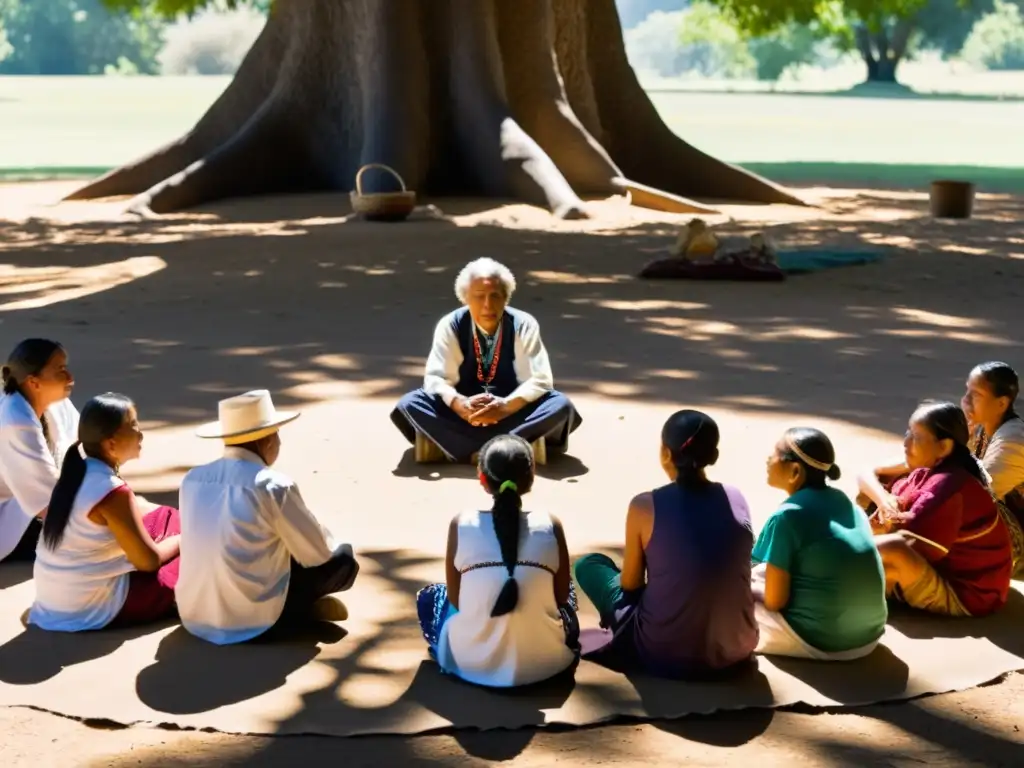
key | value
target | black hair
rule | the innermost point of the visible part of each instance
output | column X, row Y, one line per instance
column 100, row 419
column 947, row 421
column 28, row 359
column 815, row 445
column 1002, row 381
column 692, row 440
column 506, row 465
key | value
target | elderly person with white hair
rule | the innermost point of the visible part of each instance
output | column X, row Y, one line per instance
column 487, row 374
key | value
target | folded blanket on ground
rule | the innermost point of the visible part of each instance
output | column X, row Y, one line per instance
column 795, row 262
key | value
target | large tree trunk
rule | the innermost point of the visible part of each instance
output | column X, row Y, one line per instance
column 525, row 99
column 882, row 52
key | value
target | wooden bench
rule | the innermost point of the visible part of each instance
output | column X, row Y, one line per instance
column 426, row 451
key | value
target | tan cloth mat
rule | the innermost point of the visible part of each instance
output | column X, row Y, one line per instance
column 377, row 678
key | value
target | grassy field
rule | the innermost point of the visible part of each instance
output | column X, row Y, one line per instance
column 80, row 126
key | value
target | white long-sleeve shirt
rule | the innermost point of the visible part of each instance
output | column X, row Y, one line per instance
column 241, row 524
column 1004, row 458
column 532, row 367
column 29, row 468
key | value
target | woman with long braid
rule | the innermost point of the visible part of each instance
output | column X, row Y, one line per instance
column 506, row 614
column 682, row 605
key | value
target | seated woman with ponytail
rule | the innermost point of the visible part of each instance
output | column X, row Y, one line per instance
column 37, row 424
column 506, row 616
column 818, row 581
column 100, row 561
column 945, row 547
column 681, row 606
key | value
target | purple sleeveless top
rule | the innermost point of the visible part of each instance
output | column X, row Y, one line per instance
column 696, row 614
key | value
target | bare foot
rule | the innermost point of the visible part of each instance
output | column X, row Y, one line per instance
column 329, row 609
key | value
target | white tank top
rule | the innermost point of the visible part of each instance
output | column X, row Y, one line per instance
column 524, row 646
column 84, row 582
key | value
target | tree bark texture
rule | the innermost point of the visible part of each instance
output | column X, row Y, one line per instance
column 517, row 99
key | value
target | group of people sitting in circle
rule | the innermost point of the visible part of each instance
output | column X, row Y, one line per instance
column 696, row 596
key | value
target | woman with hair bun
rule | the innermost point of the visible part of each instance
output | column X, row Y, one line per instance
column 819, row 583
column 681, row 606
column 944, row 544
column 506, row 615
column 37, row 424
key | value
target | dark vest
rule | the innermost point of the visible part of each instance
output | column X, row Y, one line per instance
column 504, row 382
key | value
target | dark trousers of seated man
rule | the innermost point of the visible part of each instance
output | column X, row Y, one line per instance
column 307, row 585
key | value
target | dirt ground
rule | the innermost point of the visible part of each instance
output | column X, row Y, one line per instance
column 334, row 316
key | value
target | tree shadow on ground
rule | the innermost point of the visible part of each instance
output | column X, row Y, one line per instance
column 559, row 467
column 190, row 675
column 879, row 676
column 819, row 344
column 450, row 698
column 12, row 574
column 36, row 655
column 1002, row 629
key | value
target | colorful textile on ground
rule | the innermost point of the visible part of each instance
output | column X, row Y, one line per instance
column 795, row 262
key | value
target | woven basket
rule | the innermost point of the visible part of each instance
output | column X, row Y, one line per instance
column 382, row 206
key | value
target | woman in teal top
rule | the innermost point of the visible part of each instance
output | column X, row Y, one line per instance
column 819, row 581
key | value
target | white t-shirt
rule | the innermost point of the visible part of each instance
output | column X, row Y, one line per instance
column 29, row 467
column 83, row 583
column 524, row 646
column 241, row 524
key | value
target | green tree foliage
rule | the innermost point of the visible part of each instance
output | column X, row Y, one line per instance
column 997, row 39
column 5, row 47
column 711, row 43
column 884, row 32
column 78, row 37
column 790, row 46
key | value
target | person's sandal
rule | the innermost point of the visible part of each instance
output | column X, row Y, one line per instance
column 24, row 617
column 329, row 609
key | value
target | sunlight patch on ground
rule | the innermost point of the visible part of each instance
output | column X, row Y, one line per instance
column 34, row 287
column 923, row 317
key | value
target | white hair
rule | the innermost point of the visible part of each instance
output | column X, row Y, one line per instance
column 484, row 268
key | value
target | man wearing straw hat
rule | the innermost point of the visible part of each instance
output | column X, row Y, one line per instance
column 254, row 556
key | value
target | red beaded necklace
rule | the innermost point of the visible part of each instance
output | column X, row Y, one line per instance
column 494, row 360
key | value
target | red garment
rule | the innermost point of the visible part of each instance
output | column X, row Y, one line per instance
column 151, row 595
column 952, row 509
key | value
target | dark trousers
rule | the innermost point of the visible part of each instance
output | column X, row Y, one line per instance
column 25, row 551
column 551, row 416
column 307, row 585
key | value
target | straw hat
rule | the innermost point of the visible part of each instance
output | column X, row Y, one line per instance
column 246, row 418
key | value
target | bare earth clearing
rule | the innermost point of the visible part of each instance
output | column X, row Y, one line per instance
column 335, row 316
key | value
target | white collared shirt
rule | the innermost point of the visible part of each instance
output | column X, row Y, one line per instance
column 532, row 367
column 29, row 468
column 241, row 524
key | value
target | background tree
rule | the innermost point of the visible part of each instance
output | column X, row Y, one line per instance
column 883, row 32
column 77, row 37
column 524, row 99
